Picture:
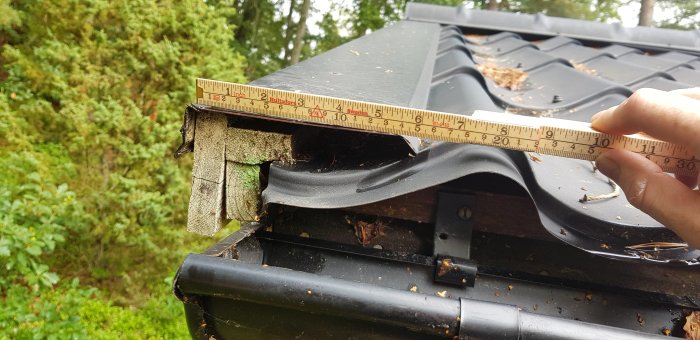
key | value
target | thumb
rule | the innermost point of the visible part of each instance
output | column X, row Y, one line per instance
column 656, row 193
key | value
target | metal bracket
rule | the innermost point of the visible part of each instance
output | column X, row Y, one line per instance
column 187, row 131
column 452, row 240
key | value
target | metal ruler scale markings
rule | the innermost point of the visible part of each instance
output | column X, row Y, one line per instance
column 549, row 136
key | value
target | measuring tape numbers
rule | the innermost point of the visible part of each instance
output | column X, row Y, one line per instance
column 548, row 136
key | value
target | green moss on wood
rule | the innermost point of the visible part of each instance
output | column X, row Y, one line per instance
column 242, row 191
column 257, row 147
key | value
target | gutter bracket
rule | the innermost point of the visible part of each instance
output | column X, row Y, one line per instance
column 452, row 239
column 187, row 131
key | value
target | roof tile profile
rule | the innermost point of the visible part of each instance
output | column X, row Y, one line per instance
column 448, row 59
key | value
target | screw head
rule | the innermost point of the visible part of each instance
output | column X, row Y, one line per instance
column 464, row 213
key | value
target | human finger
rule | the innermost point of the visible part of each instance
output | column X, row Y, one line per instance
column 663, row 115
column 651, row 190
column 693, row 92
column 689, row 181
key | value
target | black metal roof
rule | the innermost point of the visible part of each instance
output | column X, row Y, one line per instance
column 546, row 26
column 431, row 60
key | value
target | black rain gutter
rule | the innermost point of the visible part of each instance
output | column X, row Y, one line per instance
column 202, row 275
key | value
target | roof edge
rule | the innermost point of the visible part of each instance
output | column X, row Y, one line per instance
column 649, row 38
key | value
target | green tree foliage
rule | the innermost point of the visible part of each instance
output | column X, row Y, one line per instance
column 35, row 214
column 371, row 15
column 367, row 16
column 91, row 96
column 686, row 14
column 360, row 17
column 9, row 16
column 364, row 16
column 49, row 314
column 329, row 36
column 579, row 9
column 107, row 92
column 259, row 35
column 71, row 312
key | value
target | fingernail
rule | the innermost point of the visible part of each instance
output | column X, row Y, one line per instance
column 608, row 166
column 599, row 114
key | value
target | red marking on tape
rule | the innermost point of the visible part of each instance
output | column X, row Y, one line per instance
column 281, row 101
column 316, row 112
column 357, row 112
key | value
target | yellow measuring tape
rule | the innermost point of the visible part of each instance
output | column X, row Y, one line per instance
column 541, row 135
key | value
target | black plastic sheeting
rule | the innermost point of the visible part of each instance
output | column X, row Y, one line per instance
column 422, row 64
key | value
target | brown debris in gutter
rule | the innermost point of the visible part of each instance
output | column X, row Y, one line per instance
column 366, row 231
column 445, row 267
column 593, row 197
column 477, row 38
column 584, row 68
column 658, row 246
column 507, row 77
column 692, row 326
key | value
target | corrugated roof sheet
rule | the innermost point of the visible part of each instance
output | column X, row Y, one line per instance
column 440, row 58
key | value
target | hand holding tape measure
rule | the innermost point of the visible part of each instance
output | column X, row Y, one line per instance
column 542, row 135
column 672, row 116
column 631, row 159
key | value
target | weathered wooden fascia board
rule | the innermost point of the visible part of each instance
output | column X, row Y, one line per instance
column 206, row 209
column 256, row 147
column 226, row 170
column 242, row 191
column 246, row 150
